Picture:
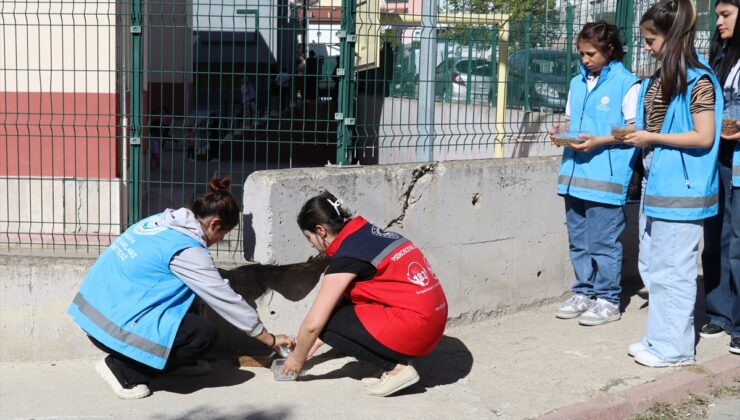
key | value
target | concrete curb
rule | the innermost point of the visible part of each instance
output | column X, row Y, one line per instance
column 670, row 388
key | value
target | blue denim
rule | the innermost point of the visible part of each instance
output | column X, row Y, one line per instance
column 734, row 257
column 667, row 264
column 715, row 258
column 595, row 249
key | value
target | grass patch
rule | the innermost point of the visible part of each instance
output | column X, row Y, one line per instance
column 695, row 407
column 611, row 384
column 699, row 369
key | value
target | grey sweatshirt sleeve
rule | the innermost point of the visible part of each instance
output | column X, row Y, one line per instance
column 195, row 267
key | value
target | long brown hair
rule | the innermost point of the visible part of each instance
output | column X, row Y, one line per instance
column 676, row 20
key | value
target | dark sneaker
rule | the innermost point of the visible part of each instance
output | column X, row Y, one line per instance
column 735, row 345
column 711, row 331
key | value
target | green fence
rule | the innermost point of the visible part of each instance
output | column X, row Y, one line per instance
column 112, row 111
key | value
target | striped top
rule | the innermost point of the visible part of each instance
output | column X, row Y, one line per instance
column 702, row 99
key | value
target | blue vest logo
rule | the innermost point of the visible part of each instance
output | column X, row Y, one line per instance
column 603, row 104
column 148, row 227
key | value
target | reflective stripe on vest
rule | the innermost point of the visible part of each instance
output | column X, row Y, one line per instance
column 591, row 184
column 388, row 249
column 681, row 202
column 118, row 333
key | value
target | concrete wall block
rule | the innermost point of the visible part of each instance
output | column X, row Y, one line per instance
column 493, row 230
column 36, row 292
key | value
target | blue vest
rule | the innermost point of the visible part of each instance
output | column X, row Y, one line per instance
column 130, row 300
column 682, row 183
column 603, row 174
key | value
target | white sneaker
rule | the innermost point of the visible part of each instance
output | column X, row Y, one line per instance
column 135, row 393
column 390, row 384
column 635, row 348
column 601, row 312
column 648, row 359
column 370, row 381
column 573, row 307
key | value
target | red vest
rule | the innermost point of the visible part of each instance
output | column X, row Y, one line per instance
column 403, row 306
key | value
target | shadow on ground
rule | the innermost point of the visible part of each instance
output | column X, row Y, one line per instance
column 223, row 373
column 450, row 361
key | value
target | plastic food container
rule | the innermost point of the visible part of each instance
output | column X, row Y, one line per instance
column 277, row 367
column 565, row 139
column 620, row 133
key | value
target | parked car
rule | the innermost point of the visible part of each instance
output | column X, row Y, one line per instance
column 549, row 78
column 455, row 76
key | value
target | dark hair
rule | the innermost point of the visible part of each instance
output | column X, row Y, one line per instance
column 723, row 61
column 676, row 20
column 218, row 202
column 324, row 209
column 605, row 37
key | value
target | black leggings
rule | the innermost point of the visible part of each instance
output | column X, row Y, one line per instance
column 345, row 332
column 194, row 339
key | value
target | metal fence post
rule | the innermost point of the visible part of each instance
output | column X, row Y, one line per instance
column 568, row 41
column 527, row 47
column 346, row 72
column 135, row 122
column 625, row 20
column 427, row 67
column 493, row 95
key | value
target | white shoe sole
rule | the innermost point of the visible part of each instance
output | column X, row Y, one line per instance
column 135, row 393
column 591, row 323
column 568, row 316
column 734, row 350
column 656, row 363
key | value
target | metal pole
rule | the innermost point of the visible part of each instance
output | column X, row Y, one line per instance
column 527, row 64
column 625, row 20
column 135, row 122
column 345, row 115
column 427, row 66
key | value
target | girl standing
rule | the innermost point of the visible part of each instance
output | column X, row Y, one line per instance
column 595, row 174
column 681, row 116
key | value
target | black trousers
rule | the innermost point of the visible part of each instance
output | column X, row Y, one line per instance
column 345, row 332
column 194, row 339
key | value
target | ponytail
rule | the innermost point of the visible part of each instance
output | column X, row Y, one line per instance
column 217, row 202
column 326, row 210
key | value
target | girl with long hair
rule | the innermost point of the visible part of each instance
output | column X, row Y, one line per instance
column 681, row 114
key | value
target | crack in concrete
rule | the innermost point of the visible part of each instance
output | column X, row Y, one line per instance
column 418, row 173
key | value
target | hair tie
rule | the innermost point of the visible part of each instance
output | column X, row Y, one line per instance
column 336, row 204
